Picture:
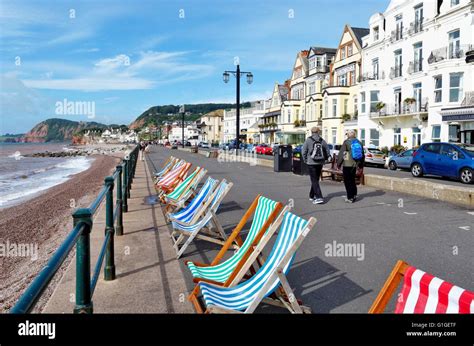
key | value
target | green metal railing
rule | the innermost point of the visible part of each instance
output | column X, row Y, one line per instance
column 80, row 237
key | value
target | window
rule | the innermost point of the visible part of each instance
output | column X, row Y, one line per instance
column 289, row 115
column 326, row 132
column 397, row 136
column 349, row 50
column 432, row 148
column 319, row 61
column 374, row 99
column 334, row 135
column 418, row 57
column 398, row 63
column 343, row 53
column 454, row 2
column 417, row 96
column 416, row 138
column 356, row 109
column 374, row 137
column 362, row 103
column 346, row 106
column 312, row 63
column 436, row 133
column 334, row 107
column 326, row 108
column 297, row 114
column 362, row 137
column 376, row 33
column 454, row 48
column 451, row 151
column 375, row 68
column 311, row 88
column 342, row 79
column 352, row 78
column 455, row 87
column 438, row 89
column 418, row 18
column 399, row 27
column 320, row 110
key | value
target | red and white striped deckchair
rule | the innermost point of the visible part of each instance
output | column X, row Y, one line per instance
column 173, row 178
column 423, row 293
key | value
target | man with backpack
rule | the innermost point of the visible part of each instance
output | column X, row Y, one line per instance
column 315, row 152
column 351, row 157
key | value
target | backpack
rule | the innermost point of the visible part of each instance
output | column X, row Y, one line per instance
column 356, row 150
column 318, row 153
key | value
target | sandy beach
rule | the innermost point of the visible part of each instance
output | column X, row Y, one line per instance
column 43, row 222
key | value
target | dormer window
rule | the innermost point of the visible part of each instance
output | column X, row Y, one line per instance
column 376, row 32
column 454, row 2
column 343, row 53
column 349, row 50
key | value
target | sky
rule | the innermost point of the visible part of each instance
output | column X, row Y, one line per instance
column 108, row 61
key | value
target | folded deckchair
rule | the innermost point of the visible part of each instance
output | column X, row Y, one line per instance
column 172, row 166
column 172, row 179
column 265, row 211
column 247, row 295
column 206, row 227
column 183, row 191
column 422, row 293
column 166, row 167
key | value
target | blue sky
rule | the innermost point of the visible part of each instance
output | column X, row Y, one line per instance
column 126, row 56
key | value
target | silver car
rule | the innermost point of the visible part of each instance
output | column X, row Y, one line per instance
column 374, row 156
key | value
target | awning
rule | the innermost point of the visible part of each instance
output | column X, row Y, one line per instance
column 459, row 117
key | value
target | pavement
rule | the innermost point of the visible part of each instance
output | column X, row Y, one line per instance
column 149, row 277
column 431, row 235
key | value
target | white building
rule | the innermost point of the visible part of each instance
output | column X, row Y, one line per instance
column 413, row 66
column 191, row 134
column 249, row 120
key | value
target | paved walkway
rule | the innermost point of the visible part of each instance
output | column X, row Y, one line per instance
column 149, row 278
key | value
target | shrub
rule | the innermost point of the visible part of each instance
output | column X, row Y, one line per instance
column 398, row 148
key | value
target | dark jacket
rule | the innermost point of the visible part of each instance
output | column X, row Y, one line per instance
column 308, row 149
column 345, row 155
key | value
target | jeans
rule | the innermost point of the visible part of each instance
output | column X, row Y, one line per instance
column 349, row 174
column 315, row 175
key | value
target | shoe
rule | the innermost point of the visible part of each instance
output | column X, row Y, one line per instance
column 318, row 201
column 311, row 199
column 347, row 200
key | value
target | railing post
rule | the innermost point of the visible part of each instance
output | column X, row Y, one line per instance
column 83, row 263
column 119, row 227
column 109, row 270
column 125, row 188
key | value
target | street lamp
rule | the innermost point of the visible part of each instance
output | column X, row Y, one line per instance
column 237, row 73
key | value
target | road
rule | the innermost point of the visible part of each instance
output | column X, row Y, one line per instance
column 386, row 172
column 434, row 236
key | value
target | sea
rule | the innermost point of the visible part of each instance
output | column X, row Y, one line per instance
column 22, row 178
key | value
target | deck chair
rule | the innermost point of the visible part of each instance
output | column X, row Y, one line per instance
column 222, row 273
column 206, row 227
column 166, row 167
column 172, row 179
column 422, row 293
column 184, row 190
column 172, row 166
column 269, row 280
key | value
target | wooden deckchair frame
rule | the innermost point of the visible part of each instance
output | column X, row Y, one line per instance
column 390, row 286
column 286, row 297
column 235, row 237
column 170, row 204
column 218, row 236
column 179, row 178
column 170, row 159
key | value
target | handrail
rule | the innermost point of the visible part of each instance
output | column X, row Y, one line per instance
column 80, row 236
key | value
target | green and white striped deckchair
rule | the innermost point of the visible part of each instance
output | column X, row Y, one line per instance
column 265, row 211
column 183, row 191
column 205, row 224
column 269, row 280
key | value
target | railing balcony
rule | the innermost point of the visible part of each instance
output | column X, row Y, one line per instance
column 415, row 27
column 415, row 66
column 449, row 53
column 323, row 69
column 372, row 76
column 395, row 72
column 401, row 109
column 396, row 35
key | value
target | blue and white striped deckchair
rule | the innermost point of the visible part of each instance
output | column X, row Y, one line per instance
column 197, row 206
column 178, row 163
column 205, row 224
column 168, row 164
column 178, row 197
column 246, row 296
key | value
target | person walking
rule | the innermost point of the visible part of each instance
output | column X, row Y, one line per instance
column 315, row 152
column 351, row 157
column 142, row 151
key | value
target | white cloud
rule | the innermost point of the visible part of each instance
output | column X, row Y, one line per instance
column 91, row 84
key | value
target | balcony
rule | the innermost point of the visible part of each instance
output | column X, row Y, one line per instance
column 415, row 27
column 396, row 72
column 372, row 76
column 402, row 109
column 299, row 123
column 396, row 35
column 321, row 69
column 415, row 66
column 449, row 53
column 269, row 127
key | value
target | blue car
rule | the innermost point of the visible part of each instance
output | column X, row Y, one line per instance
column 402, row 160
column 446, row 160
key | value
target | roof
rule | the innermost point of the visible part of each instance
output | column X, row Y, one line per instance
column 359, row 33
column 283, row 90
column 323, row 50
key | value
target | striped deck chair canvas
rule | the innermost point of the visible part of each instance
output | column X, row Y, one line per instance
column 177, row 163
column 206, row 228
column 166, row 167
column 196, row 207
column 172, row 179
column 184, row 191
column 265, row 211
column 247, row 295
column 423, row 293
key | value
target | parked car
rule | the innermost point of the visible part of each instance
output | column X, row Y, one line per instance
column 374, row 156
column 445, row 160
column 204, row 145
column 250, row 148
column 333, row 149
column 264, row 149
column 402, row 160
column 187, row 144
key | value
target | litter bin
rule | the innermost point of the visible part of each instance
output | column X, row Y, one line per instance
column 282, row 158
column 299, row 166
